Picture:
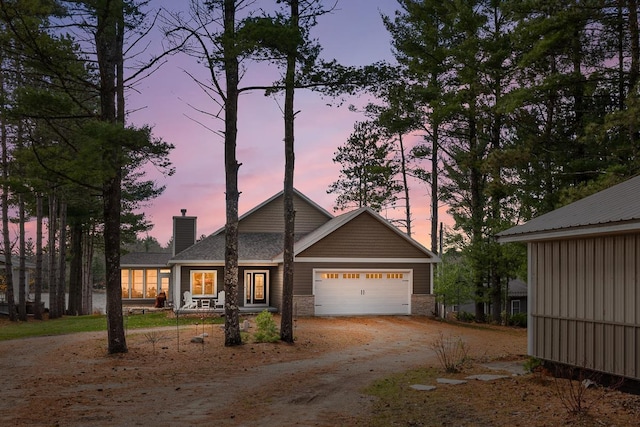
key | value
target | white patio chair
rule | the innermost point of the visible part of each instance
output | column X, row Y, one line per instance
column 189, row 302
column 219, row 303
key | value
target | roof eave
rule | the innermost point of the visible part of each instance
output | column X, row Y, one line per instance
column 570, row 232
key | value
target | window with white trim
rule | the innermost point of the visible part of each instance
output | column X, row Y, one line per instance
column 350, row 275
column 203, row 283
column 374, row 275
column 515, row 306
column 330, row 276
column 395, row 275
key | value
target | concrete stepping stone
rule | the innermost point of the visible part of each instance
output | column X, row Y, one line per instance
column 487, row 377
column 450, row 381
column 422, row 387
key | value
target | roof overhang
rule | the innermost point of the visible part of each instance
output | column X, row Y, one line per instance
column 369, row 260
column 220, row 263
column 569, row 233
column 144, row 266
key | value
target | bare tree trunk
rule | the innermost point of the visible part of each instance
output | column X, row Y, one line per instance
column 286, row 324
column 109, row 48
column 231, row 321
column 434, row 188
column 405, row 185
column 37, row 311
column 22, row 271
column 4, row 198
column 634, row 69
column 496, row 297
column 62, row 259
column 54, row 308
column 75, row 270
column 87, row 269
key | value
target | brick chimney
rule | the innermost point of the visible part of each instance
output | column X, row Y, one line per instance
column 184, row 231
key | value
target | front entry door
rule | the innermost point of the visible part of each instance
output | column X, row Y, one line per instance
column 256, row 283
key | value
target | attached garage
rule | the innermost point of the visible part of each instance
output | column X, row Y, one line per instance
column 362, row 292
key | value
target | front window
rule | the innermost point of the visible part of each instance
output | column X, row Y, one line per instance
column 151, row 282
column 138, row 283
column 203, row 283
column 137, row 287
column 125, row 283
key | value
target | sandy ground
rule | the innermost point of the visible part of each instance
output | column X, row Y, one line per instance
column 165, row 380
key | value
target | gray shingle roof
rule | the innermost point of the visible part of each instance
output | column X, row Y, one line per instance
column 251, row 246
column 617, row 205
column 517, row 288
column 146, row 259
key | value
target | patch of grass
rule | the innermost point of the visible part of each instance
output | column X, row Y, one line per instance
column 92, row 323
column 397, row 403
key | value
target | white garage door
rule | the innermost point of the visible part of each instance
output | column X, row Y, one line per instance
column 362, row 292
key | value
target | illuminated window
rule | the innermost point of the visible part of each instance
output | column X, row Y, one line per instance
column 351, row 275
column 137, row 285
column 330, row 275
column 151, row 282
column 142, row 283
column 124, row 278
column 374, row 275
column 395, row 275
column 203, row 283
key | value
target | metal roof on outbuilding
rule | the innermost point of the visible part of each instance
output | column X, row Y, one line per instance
column 615, row 209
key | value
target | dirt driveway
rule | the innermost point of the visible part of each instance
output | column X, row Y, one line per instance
column 166, row 380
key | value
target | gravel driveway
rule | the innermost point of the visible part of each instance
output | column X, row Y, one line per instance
column 70, row 381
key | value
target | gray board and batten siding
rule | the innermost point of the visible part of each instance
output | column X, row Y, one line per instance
column 584, row 281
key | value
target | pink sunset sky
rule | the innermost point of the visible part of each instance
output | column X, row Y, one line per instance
column 354, row 35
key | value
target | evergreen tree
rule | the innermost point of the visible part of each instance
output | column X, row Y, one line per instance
column 367, row 175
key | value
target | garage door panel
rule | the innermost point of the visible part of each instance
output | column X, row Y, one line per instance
column 369, row 293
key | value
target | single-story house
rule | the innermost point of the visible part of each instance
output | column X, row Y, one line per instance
column 584, row 281
column 516, row 301
column 356, row 263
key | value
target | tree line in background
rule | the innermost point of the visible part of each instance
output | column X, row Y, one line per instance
column 67, row 153
column 523, row 106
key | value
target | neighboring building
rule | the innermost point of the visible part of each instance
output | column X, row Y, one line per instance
column 516, row 302
column 517, row 297
column 15, row 271
column 584, row 281
column 353, row 264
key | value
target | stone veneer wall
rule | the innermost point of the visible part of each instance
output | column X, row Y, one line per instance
column 304, row 305
column 423, row 305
